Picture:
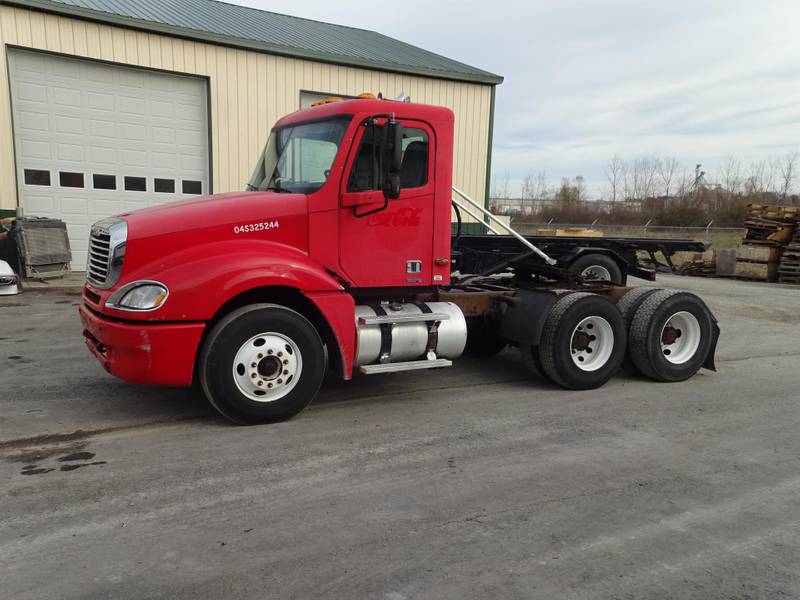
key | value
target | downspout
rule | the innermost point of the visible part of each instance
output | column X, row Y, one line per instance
column 489, row 150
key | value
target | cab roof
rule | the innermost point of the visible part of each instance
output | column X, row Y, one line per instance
column 360, row 106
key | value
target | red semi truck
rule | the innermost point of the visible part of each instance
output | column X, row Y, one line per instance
column 340, row 255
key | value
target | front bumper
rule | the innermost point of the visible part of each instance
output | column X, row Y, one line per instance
column 152, row 353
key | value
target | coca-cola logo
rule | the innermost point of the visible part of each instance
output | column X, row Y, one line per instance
column 405, row 217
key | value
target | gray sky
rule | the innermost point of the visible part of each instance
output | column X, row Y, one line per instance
column 699, row 80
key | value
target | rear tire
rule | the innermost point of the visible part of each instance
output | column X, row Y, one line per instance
column 583, row 341
column 597, row 267
column 628, row 305
column 261, row 363
column 671, row 335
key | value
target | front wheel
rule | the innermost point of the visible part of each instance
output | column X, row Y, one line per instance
column 262, row 363
column 583, row 341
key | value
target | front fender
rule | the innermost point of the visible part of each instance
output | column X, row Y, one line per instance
column 203, row 278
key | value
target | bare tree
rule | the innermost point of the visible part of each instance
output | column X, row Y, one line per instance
column 534, row 190
column 684, row 184
column 580, row 189
column 761, row 177
column 629, row 182
column 788, row 173
column 615, row 173
column 644, row 177
column 731, row 174
column 501, row 188
column 667, row 168
column 534, row 187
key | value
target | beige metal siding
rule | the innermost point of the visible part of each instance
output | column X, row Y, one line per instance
column 249, row 91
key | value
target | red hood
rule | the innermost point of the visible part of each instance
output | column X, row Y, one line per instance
column 156, row 233
column 235, row 208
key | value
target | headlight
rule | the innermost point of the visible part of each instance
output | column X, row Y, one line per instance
column 139, row 295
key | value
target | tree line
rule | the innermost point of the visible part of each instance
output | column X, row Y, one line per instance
column 655, row 188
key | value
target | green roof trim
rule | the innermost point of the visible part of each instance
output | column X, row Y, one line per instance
column 221, row 23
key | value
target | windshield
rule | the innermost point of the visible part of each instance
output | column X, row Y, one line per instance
column 298, row 158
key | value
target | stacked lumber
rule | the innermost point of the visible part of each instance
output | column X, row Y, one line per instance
column 776, row 213
column 699, row 264
column 699, row 268
column 789, row 270
column 770, row 229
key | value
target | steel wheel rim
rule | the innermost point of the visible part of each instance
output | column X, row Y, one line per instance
column 680, row 337
column 592, row 343
column 267, row 367
column 596, row 273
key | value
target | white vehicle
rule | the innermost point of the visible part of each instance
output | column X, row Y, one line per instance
column 9, row 282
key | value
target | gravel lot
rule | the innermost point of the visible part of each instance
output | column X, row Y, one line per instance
column 471, row 482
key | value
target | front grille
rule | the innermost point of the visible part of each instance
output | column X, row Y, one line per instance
column 106, row 252
column 99, row 260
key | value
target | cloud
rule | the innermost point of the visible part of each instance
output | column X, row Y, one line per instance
column 587, row 79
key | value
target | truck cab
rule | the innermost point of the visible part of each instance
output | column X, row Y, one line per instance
column 338, row 254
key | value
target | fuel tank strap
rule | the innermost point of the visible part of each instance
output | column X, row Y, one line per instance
column 386, row 333
column 433, row 328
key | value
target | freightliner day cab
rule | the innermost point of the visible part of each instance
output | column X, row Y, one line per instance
column 340, row 255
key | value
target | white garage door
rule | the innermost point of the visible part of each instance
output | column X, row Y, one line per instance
column 93, row 139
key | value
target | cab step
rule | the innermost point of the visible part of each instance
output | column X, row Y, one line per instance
column 412, row 365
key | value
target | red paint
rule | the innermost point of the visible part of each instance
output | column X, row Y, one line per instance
column 209, row 250
column 156, row 354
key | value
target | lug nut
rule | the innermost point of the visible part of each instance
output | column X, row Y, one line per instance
column 260, row 382
column 285, row 372
column 286, row 361
column 253, row 375
column 280, row 380
column 260, row 356
column 280, row 353
column 254, row 365
column 269, row 351
column 269, row 385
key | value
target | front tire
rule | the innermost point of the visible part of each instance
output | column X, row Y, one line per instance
column 262, row 363
column 583, row 341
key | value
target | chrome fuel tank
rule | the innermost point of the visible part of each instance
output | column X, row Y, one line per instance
column 409, row 340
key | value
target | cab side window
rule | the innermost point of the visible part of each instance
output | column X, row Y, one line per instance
column 414, row 172
column 366, row 172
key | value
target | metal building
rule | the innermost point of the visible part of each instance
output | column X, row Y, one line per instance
column 113, row 105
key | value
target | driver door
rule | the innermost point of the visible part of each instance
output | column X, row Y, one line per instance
column 388, row 244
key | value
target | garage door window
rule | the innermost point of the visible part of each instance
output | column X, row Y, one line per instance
column 192, row 187
column 37, row 177
column 164, row 186
column 69, row 179
column 135, row 184
column 104, row 182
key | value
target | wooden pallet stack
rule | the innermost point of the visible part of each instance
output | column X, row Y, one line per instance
column 770, row 229
column 789, row 270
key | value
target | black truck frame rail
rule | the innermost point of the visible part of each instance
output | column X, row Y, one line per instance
column 484, row 255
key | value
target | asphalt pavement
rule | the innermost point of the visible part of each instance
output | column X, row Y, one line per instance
column 472, row 482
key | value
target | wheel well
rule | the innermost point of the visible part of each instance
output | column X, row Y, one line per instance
column 290, row 298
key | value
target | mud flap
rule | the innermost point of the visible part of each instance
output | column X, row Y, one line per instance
column 524, row 314
column 709, row 363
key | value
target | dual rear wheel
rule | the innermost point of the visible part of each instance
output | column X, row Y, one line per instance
column 666, row 335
